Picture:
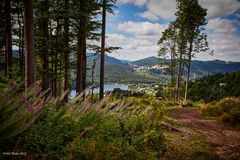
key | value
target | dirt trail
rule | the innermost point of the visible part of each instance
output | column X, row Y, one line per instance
column 224, row 139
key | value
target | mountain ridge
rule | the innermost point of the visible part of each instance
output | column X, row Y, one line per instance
column 198, row 67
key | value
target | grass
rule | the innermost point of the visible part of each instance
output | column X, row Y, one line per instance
column 226, row 110
column 187, row 146
column 110, row 129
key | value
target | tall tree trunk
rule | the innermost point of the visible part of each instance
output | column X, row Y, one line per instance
column 102, row 50
column 79, row 66
column 22, row 40
column 8, row 37
column 29, row 44
column 20, row 36
column 172, row 77
column 179, row 77
column 84, row 65
column 66, row 52
column 56, row 59
column 92, row 76
column 188, row 72
column 44, row 28
column 81, row 55
column 51, row 53
column 6, row 57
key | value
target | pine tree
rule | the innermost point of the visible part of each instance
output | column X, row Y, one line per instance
column 66, row 50
column 101, row 92
column 8, row 37
column 44, row 44
column 191, row 19
column 29, row 43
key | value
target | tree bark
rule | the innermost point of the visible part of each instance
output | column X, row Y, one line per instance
column 8, row 37
column 179, row 76
column 81, row 55
column 29, row 44
column 20, row 36
column 44, row 28
column 172, row 61
column 188, row 72
column 66, row 52
column 101, row 95
column 56, row 59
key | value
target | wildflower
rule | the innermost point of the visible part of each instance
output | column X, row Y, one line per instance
column 14, row 86
column 29, row 106
column 40, row 104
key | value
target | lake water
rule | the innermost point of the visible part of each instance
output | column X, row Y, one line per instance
column 107, row 87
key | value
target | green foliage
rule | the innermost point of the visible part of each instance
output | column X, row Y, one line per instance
column 98, row 130
column 118, row 93
column 215, row 87
column 150, row 101
column 130, row 138
column 48, row 138
column 188, row 147
column 18, row 111
column 227, row 109
column 49, row 129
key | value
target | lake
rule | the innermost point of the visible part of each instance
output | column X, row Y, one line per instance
column 107, row 87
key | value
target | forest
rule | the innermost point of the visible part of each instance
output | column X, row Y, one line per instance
column 48, row 49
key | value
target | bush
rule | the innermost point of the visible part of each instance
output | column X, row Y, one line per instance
column 227, row 109
column 18, row 112
column 80, row 129
column 225, row 117
column 48, row 137
column 130, row 138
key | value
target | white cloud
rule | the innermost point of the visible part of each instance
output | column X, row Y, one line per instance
column 132, row 48
column 141, row 28
column 165, row 9
column 140, row 41
column 159, row 9
column 223, row 40
column 219, row 8
column 135, row 2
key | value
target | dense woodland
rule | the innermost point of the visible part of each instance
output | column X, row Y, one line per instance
column 38, row 120
column 50, row 33
column 215, row 87
column 57, row 35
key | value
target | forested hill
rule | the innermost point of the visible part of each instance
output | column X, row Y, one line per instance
column 198, row 68
column 129, row 68
column 215, row 87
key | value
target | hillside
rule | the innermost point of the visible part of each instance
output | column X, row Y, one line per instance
column 108, row 60
column 215, row 87
column 149, row 61
column 199, row 68
column 148, row 71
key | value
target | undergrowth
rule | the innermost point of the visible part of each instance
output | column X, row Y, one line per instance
column 227, row 110
column 46, row 128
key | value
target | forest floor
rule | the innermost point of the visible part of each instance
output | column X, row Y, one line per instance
column 223, row 139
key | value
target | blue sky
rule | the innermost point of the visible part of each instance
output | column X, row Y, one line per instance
column 137, row 26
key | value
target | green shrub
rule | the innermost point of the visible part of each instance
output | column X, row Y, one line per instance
column 18, row 112
column 48, row 137
column 130, row 138
column 225, row 117
column 227, row 109
column 48, row 129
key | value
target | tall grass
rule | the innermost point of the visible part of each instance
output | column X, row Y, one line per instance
column 227, row 110
column 46, row 128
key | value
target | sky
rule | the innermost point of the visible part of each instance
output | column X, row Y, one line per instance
column 137, row 26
